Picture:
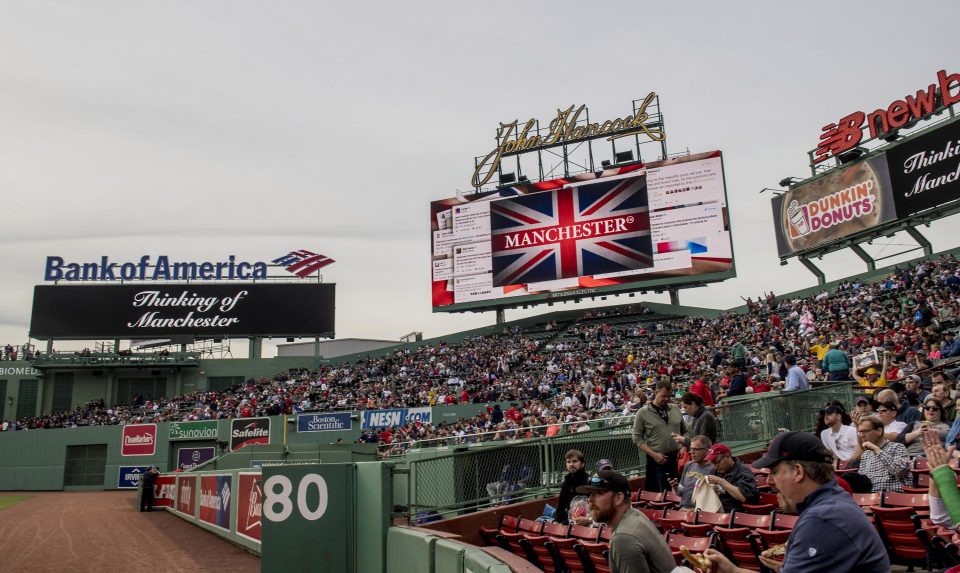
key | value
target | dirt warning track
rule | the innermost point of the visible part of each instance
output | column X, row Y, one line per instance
column 104, row 531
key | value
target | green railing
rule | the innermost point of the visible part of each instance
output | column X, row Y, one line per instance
column 485, row 475
column 748, row 424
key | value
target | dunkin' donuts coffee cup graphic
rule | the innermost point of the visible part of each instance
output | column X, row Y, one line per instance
column 839, row 204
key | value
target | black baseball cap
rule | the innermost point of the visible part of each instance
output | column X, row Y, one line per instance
column 834, row 409
column 604, row 481
column 794, row 447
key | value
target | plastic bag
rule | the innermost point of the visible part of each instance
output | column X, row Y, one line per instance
column 579, row 509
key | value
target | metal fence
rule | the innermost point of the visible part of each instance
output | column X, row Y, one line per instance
column 475, row 477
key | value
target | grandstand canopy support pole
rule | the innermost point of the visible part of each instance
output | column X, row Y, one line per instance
column 871, row 264
column 674, row 297
column 921, row 240
column 49, row 347
column 256, row 347
column 316, row 347
column 501, row 316
column 821, row 278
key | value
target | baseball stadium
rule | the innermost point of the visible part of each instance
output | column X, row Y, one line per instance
column 598, row 416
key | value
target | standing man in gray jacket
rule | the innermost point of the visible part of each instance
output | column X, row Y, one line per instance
column 653, row 430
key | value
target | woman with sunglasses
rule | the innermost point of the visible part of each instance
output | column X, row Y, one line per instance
column 932, row 420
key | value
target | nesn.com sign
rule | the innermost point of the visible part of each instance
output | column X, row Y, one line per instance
column 395, row 417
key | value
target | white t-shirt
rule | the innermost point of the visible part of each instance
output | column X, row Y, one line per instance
column 842, row 443
column 894, row 427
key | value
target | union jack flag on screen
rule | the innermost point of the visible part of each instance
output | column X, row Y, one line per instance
column 592, row 229
column 302, row 263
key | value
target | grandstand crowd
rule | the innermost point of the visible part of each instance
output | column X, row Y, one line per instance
column 562, row 375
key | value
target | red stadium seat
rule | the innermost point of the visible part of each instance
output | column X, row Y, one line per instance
column 565, row 554
column 651, row 499
column 595, row 554
column 784, row 520
column 511, row 541
column 735, row 540
column 652, row 514
column 769, row 498
column 866, row 499
column 584, row 533
column 674, row 519
column 508, row 524
column 558, row 530
column 758, row 508
column 899, row 531
column 694, row 544
column 919, row 502
column 539, row 553
column 605, row 534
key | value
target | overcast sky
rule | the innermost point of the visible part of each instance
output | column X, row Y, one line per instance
column 203, row 129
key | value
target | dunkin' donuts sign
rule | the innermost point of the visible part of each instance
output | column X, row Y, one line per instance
column 139, row 440
column 249, row 431
column 842, row 203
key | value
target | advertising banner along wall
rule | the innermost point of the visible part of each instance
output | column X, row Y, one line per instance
column 141, row 311
column 323, row 422
column 249, row 431
column 249, row 506
column 216, row 493
column 189, row 458
column 187, row 495
column 203, row 430
column 128, row 477
column 395, row 417
column 139, row 440
column 164, row 491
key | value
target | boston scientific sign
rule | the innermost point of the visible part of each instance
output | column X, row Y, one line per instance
column 204, row 310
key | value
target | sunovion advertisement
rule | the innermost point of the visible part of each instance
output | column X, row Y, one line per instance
column 139, row 440
column 159, row 310
column 249, row 431
column 845, row 202
column 396, row 417
column 323, row 422
column 216, row 493
column 925, row 171
column 202, row 430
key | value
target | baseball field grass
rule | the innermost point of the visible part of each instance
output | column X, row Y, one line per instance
column 8, row 500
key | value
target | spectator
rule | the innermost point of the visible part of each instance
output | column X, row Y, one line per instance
column 883, row 461
column 738, row 381
column 832, row 533
column 796, row 377
column 576, row 476
column 733, row 480
column 653, row 428
column 933, row 421
column 838, row 437
column 704, row 422
column 695, row 470
column 636, row 545
column 836, row 363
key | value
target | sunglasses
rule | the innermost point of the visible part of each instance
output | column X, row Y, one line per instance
column 882, row 410
column 931, row 408
column 597, row 481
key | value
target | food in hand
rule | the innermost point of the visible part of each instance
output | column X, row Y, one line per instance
column 698, row 560
column 778, row 550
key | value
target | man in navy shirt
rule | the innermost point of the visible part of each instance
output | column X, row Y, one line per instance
column 832, row 533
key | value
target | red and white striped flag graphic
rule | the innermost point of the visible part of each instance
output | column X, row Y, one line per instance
column 303, row 263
